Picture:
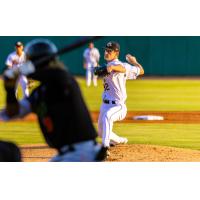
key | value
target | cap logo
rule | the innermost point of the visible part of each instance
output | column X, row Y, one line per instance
column 109, row 44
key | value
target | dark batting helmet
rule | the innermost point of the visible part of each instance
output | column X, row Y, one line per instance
column 38, row 49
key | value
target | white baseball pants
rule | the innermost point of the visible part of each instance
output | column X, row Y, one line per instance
column 83, row 152
column 90, row 76
column 110, row 113
column 23, row 82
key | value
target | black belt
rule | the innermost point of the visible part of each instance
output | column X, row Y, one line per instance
column 108, row 102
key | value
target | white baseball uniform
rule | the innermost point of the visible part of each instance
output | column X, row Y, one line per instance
column 114, row 96
column 91, row 57
column 14, row 61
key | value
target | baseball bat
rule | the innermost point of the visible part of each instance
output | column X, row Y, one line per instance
column 68, row 48
column 29, row 67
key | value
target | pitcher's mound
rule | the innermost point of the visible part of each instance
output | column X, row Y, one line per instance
column 125, row 153
column 152, row 153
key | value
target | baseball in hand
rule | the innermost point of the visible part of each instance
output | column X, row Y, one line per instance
column 131, row 59
column 127, row 57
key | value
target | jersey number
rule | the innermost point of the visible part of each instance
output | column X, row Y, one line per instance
column 106, row 87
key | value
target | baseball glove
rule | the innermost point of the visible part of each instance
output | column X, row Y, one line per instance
column 101, row 71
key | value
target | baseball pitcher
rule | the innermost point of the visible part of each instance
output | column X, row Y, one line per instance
column 114, row 96
column 15, row 60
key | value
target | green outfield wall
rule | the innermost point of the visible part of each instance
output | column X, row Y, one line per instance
column 159, row 55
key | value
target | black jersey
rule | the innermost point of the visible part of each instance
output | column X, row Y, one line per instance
column 63, row 116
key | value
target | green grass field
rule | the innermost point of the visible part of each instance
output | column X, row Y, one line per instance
column 152, row 95
column 143, row 95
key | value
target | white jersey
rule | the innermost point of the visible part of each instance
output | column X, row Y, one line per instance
column 91, row 56
column 115, row 82
column 14, row 60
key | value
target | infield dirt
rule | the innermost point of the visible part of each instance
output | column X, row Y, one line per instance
column 169, row 117
column 121, row 153
column 130, row 152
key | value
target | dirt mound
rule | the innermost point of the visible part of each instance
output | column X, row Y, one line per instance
column 130, row 153
column 36, row 153
column 122, row 153
column 152, row 153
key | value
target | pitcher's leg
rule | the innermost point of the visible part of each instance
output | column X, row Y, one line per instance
column 88, row 77
column 24, row 84
column 117, row 116
column 16, row 90
column 107, row 128
column 94, row 80
column 100, row 125
column 112, row 114
column 100, row 120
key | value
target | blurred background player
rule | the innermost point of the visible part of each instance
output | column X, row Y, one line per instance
column 114, row 96
column 91, row 58
column 58, row 103
column 14, row 60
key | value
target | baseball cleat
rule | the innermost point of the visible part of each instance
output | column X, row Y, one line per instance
column 103, row 154
column 112, row 143
column 123, row 140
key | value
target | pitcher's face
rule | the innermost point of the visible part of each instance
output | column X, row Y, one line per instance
column 110, row 54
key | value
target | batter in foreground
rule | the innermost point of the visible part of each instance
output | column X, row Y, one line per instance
column 58, row 103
